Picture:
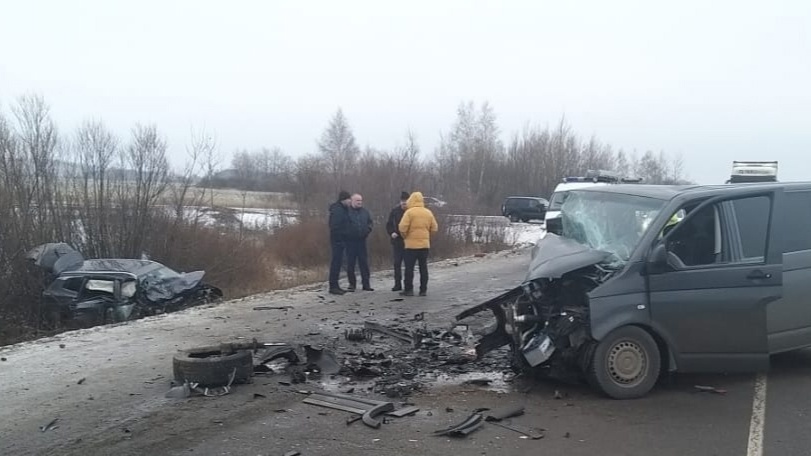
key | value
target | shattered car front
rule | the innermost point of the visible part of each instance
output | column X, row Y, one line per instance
column 547, row 319
column 99, row 291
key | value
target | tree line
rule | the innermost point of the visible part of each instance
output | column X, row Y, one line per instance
column 472, row 168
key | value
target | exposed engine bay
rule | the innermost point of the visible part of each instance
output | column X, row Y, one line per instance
column 545, row 322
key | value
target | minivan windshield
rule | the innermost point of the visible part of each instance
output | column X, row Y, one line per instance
column 607, row 221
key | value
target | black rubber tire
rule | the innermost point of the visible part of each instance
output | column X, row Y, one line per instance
column 209, row 367
column 631, row 341
column 513, row 218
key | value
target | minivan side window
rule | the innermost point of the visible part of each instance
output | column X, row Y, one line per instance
column 752, row 215
column 695, row 242
column 798, row 225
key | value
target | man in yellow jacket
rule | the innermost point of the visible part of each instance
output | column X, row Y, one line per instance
column 416, row 227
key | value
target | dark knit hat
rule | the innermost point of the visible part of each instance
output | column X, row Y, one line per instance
column 344, row 195
column 404, row 196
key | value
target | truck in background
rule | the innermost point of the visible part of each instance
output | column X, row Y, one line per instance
column 753, row 171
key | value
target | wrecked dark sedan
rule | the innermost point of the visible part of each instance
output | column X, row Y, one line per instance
column 99, row 291
column 633, row 282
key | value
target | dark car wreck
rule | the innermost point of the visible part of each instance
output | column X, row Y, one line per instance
column 634, row 281
column 86, row 293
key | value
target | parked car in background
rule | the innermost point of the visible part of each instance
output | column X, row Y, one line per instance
column 635, row 281
column 86, row 293
column 524, row 208
column 430, row 201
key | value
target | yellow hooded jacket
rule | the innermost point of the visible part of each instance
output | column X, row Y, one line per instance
column 417, row 223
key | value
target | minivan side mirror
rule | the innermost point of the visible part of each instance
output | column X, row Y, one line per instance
column 554, row 225
column 657, row 260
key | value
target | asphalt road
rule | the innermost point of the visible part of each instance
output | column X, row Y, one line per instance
column 120, row 408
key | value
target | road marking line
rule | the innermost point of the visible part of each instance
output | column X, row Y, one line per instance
column 758, row 422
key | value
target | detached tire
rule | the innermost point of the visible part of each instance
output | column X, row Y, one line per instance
column 626, row 363
column 209, row 367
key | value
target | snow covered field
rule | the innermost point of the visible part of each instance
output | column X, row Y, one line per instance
column 479, row 228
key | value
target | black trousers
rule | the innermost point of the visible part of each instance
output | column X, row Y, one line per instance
column 338, row 248
column 356, row 253
column 398, row 254
column 412, row 257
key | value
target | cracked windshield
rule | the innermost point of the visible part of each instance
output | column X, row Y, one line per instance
column 610, row 222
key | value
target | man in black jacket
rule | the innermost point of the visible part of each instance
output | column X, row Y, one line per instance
column 356, row 251
column 397, row 243
column 340, row 232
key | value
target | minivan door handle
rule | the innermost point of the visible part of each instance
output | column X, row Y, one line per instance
column 755, row 275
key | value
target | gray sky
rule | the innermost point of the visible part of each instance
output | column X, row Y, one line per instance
column 713, row 80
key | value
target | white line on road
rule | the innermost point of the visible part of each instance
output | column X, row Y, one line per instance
column 758, row 422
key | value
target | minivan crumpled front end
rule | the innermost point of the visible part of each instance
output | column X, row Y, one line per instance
column 545, row 320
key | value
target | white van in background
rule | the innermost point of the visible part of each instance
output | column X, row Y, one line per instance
column 592, row 178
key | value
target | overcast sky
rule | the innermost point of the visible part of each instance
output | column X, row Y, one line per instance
column 713, row 80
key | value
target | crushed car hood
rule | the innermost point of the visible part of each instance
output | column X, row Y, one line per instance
column 170, row 288
column 554, row 256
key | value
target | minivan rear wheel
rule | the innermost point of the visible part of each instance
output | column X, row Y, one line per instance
column 626, row 363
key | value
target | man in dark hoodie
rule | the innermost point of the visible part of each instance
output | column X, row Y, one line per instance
column 356, row 251
column 397, row 243
column 340, row 232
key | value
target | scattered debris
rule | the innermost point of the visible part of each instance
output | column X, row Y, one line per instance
column 61, row 345
column 367, row 408
column 259, row 396
column 323, row 359
column 81, row 380
column 187, row 388
column 709, row 389
column 3, row 359
column 505, row 412
column 523, row 432
column 464, row 428
column 49, row 426
column 558, row 395
column 358, row 335
column 405, row 411
column 371, row 326
column 272, row 307
column 478, row 381
column 292, row 453
column 419, row 317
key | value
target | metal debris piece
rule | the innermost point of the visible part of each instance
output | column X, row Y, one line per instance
column 371, row 326
column 322, row 358
column 527, row 433
column 505, row 412
column 280, row 351
column 405, row 411
column 464, row 428
column 710, row 389
column 49, row 426
column 368, row 408
column 358, row 335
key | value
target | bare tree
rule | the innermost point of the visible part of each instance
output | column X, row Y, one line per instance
column 338, row 147
column 95, row 148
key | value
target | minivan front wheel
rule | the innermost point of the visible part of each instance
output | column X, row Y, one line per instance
column 626, row 363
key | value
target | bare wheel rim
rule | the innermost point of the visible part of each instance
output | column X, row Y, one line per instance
column 627, row 363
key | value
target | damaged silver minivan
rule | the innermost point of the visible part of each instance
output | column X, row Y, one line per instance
column 634, row 281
